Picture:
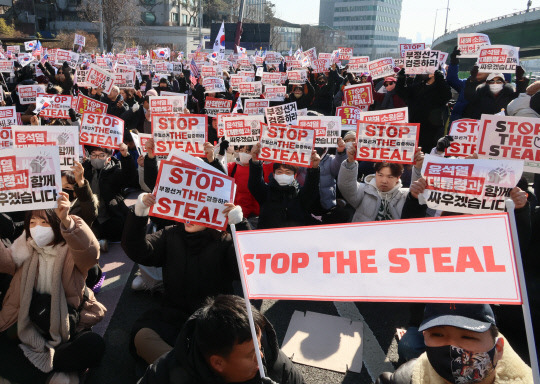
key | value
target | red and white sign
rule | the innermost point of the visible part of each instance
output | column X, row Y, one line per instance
column 282, row 114
column 13, row 49
column 243, row 130
column 101, row 130
column 391, row 142
column 358, row 94
column 396, row 115
column 124, row 77
column 29, row 178
column 287, row 144
column 220, row 125
column 66, row 137
column 465, row 134
column 275, row 93
column 210, row 71
column 273, row 58
column 214, row 106
column 320, row 65
column 411, row 47
column 327, row 263
column 6, row 66
column 350, row 115
column 498, row 59
column 256, row 106
column 509, row 137
column 59, row 109
column 140, row 139
column 345, row 53
column 28, row 93
column 86, row 104
column 327, row 129
column 188, row 193
column 100, row 78
column 251, row 89
column 167, row 104
column 358, row 64
column 235, row 80
column 470, row 43
column 381, row 68
column 271, row 78
column 186, row 133
column 79, row 40
column 213, row 85
column 297, row 77
column 8, row 117
column 469, row 186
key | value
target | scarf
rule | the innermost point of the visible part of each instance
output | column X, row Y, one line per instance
column 388, row 101
column 38, row 350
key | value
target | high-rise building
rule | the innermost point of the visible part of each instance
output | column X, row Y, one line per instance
column 371, row 26
column 326, row 13
column 254, row 11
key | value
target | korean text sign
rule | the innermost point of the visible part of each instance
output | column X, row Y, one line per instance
column 327, row 129
column 256, row 106
column 187, row 193
column 187, row 133
column 469, row 186
column 29, row 178
column 359, row 94
column 166, row 104
column 392, row 142
column 66, row 137
column 100, row 78
column 101, row 130
column 243, row 130
column 8, row 117
column 395, row 115
column 470, row 43
column 411, row 47
column 287, row 144
column 381, row 68
column 421, row 62
column 358, row 64
column 86, row 104
column 214, row 106
column 328, row 263
column 498, row 59
column 282, row 114
column 464, row 133
column 509, row 137
column 28, row 93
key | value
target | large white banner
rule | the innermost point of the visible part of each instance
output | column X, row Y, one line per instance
column 418, row 262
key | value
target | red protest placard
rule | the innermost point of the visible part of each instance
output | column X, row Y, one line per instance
column 411, row 47
column 359, row 94
column 465, row 133
column 214, row 106
column 100, row 78
column 187, row 133
column 345, row 53
column 287, row 144
column 256, row 106
column 192, row 194
column 59, row 109
column 349, row 115
column 394, row 115
column 101, row 130
column 392, row 142
column 271, row 78
column 381, row 68
column 250, row 89
column 358, row 64
column 86, row 104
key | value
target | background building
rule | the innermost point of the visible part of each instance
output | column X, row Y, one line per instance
column 372, row 27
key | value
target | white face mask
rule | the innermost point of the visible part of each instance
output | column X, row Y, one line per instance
column 496, row 88
column 349, row 145
column 244, row 157
column 42, row 235
column 284, row 179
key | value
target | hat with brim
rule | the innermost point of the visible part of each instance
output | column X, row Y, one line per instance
column 472, row 317
column 491, row 76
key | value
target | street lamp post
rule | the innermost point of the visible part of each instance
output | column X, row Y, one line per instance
column 435, row 23
column 446, row 23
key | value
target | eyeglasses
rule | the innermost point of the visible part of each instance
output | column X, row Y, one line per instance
column 100, row 156
column 495, row 82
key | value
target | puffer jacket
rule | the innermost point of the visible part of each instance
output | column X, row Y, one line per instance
column 521, row 106
column 82, row 254
column 243, row 196
column 365, row 198
column 509, row 370
column 485, row 102
column 186, row 365
column 329, row 166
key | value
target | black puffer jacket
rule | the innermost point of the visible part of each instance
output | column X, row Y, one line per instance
column 185, row 364
column 195, row 265
column 283, row 206
column 484, row 101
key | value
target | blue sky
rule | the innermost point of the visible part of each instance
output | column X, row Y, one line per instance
column 417, row 16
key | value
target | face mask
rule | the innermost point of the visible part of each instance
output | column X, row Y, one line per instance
column 349, row 145
column 496, row 88
column 42, row 235
column 459, row 366
column 98, row 163
column 143, row 88
column 70, row 193
column 297, row 95
column 244, row 157
column 284, row 179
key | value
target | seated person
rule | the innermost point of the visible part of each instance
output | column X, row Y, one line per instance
column 215, row 346
column 463, row 345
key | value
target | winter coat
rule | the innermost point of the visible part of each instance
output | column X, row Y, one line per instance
column 112, row 105
column 195, row 265
column 324, row 96
column 243, row 196
column 521, row 106
column 135, row 118
column 304, row 101
column 82, row 253
column 485, row 102
column 463, row 88
column 86, row 204
column 365, row 198
column 329, row 170
column 509, row 370
column 186, row 365
column 283, row 206
column 50, row 73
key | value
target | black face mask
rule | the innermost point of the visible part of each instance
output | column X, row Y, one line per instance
column 70, row 192
column 321, row 151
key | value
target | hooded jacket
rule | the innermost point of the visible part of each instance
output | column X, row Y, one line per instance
column 186, row 365
column 521, row 106
column 366, row 199
column 509, row 370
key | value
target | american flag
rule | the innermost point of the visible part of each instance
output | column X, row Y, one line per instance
column 194, row 72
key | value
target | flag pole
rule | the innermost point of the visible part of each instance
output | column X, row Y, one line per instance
column 524, row 297
column 248, row 304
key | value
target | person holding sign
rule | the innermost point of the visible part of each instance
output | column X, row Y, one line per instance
column 381, row 196
column 302, row 94
column 197, row 262
column 283, row 202
column 463, row 345
column 216, row 344
column 63, row 77
column 47, row 314
column 386, row 97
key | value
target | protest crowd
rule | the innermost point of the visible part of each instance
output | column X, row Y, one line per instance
column 214, row 146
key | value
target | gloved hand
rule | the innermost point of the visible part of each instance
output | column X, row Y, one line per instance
column 267, row 380
column 73, row 115
column 65, row 68
column 443, row 143
column 438, row 75
column 519, row 73
column 401, row 72
column 223, row 147
column 474, row 72
column 453, row 56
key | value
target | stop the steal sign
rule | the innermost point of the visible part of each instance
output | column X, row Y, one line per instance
column 418, row 262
